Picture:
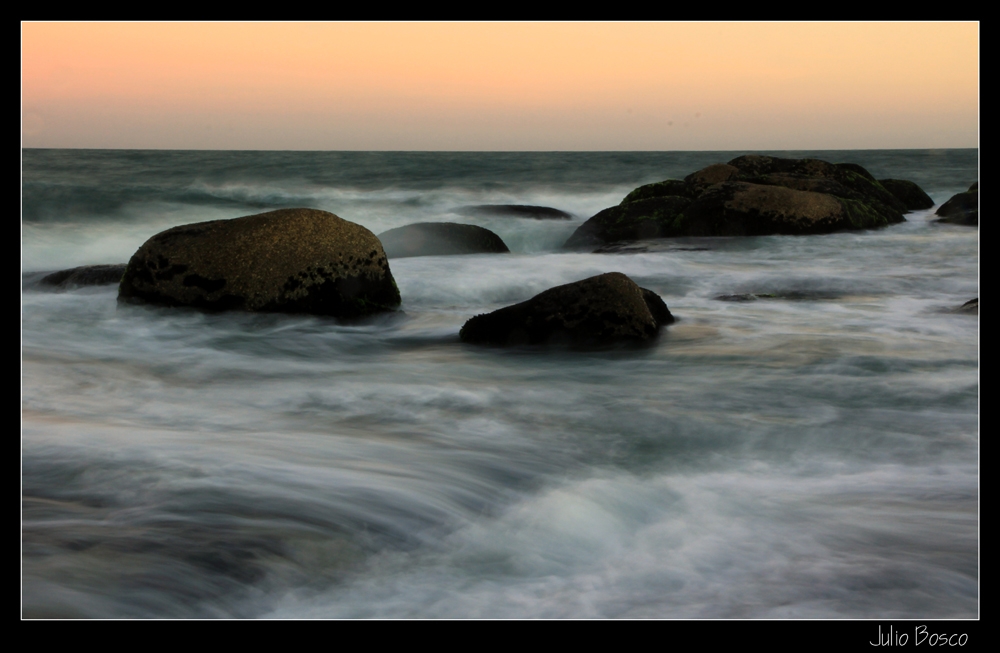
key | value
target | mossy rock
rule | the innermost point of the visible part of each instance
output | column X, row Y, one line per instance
column 910, row 194
column 288, row 261
column 440, row 239
column 606, row 309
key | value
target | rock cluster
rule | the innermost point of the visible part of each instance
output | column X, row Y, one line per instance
column 751, row 195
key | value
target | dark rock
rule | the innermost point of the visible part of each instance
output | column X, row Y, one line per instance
column 908, row 193
column 440, row 239
column 641, row 219
column 962, row 209
column 87, row 275
column 516, row 211
column 849, row 175
column 289, row 261
column 600, row 310
column 660, row 189
column 970, row 307
column 744, row 209
column 733, row 199
column 713, row 174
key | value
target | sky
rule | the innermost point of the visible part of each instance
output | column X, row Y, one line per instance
column 500, row 86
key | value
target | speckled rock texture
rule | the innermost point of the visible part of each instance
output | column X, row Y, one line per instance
column 288, row 261
column 750, row 195
column 440, row 239
column 86, row 275
column 601, row 310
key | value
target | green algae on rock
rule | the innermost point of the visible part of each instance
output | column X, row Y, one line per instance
column 285, row 261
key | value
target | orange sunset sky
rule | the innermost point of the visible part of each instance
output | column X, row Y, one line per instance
column 500, row 86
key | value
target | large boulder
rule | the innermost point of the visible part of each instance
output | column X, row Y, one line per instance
column 599, row 310
column 440, row 239
column 962, row 208
column 289, row 261
column 750, row 195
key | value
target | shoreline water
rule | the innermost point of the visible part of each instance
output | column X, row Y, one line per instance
column 814, row 455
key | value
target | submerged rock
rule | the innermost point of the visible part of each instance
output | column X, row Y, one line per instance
column 516, row 211
column 86, row 275
column 970, row 307
column 962, row 208
column 439, row 239
column 750, row 195
column 599, row 310
column 289, row 261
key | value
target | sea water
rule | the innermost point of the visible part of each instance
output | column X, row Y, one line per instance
column 811, row 453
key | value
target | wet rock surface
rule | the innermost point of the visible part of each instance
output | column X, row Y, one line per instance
column 750, row 195
column 440, row 239
column 289, row 261
column 600, row 310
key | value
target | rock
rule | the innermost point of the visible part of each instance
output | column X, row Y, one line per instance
column 745, row 209
column 439, row 239
column 600, row 310
column 660, row 189
column 970, row 307
column 289, row 261
column 646, row 218
column 516, row 211
column 86, row 275
column 962, row 208
column 713, row 174
column 908, row 193
column 750, row 195
column 849, row 175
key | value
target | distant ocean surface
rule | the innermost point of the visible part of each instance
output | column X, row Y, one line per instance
column 814, row 454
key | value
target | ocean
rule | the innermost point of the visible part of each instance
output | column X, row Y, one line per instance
column 811, row 453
